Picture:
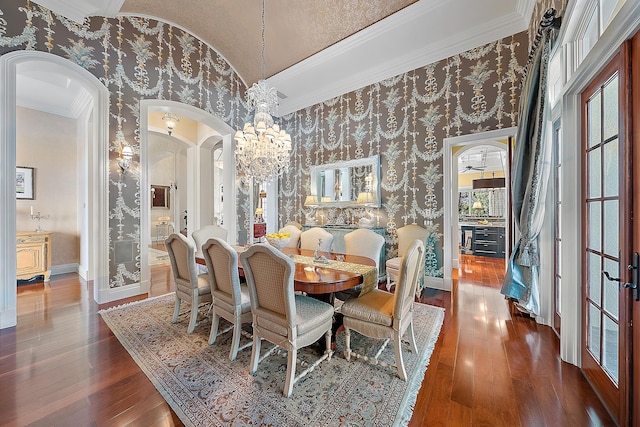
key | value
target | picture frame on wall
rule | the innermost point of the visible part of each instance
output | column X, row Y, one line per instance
column 160, row 196
column 25, row 183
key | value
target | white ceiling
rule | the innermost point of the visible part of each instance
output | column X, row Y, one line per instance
column 485, row 157
column 324, row 48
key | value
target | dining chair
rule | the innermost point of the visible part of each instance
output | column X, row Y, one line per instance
column 207, row 232
column 362, row 242
column 294, row 232
column 280, row 316
column 309, row 239
column 383, row 315
column 190, row 286
column 406, row 235
column 295, row 224
column 230, row 297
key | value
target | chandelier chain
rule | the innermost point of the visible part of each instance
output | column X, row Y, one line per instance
column 263, row 39
column 263, row 150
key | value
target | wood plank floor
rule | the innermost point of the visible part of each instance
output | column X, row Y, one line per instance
column 62, row 366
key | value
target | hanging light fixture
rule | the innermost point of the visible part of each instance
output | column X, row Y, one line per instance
column 170, row 120
column 262, row 148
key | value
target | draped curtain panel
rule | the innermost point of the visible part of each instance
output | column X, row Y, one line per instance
column 530, row 174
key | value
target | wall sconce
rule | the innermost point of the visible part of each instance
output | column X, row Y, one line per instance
column 126, row 154
column 171, row 120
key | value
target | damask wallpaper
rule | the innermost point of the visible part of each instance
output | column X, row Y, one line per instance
column 403, row 119
column 135, row 58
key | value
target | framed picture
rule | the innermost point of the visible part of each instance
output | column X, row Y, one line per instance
column 24, row 183
column 160, row 196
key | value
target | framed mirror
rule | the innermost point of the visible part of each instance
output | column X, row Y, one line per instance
column 347, row 183
column 160, row 196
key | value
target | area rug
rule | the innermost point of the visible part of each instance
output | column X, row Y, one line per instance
column 205, row 388
column 157, row 257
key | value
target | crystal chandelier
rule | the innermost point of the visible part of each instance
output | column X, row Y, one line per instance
column 262, row 148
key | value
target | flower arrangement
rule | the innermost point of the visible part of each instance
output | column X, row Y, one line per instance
column 278, row 240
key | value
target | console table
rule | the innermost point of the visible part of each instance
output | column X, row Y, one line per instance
column 338, row 232
column 33, row 254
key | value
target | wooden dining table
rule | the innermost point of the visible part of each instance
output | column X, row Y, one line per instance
column 316, row 278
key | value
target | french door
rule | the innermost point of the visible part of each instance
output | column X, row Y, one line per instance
column 607, row 242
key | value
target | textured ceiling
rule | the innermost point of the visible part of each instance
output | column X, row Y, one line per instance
column 294, row 29
column 320, row 49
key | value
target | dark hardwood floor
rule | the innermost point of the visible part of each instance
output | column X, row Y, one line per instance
column 62, row 366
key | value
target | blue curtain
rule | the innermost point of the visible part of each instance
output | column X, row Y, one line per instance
column 530, row 174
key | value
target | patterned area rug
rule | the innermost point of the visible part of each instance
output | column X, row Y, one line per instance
column 205, row 388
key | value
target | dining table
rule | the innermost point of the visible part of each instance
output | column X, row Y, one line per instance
column 321, row 279
column 321, row 274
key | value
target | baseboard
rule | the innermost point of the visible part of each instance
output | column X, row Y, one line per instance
column 65, row 268
column 436, row 283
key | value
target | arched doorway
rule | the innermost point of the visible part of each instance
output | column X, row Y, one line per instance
column 199, row 158
column 453, row 149
column 95, row 159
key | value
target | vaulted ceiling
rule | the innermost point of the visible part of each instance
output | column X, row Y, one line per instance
column 319, row 49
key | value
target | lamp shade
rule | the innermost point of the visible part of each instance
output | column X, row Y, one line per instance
column 259, row 211
column 477, row 205
column 311, row 200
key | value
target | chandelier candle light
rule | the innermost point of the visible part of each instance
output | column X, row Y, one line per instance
column 262, row 148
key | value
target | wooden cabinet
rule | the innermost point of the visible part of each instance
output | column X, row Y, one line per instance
column 338, row 245
column 485, row 241
column 33, row 255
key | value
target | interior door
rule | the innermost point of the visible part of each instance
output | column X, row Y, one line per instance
column 635, row 135
column 606, row 210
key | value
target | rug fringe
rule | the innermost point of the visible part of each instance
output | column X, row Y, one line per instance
column 415, row 382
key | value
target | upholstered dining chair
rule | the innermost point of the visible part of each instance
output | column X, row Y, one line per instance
column 294, row 232
column 309, row 239
column 190, row 286
column 207, row 232
column 380, row 314
column 230, row 298
column 362, row 242
column 406, row 235
column 280, row 316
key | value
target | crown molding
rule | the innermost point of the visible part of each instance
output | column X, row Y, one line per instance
column 79, row 10
column 349, row 65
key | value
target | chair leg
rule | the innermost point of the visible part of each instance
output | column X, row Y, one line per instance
column 255, row 352
column 235, row 341
column 214, row 328
column 347, row 344
column 194, row 316
column 388, row 282
column 176, row 310
column 327, row 341
column 412, row 337
column 397, row 347
column 291, row 370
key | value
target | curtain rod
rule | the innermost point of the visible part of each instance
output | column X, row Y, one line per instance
column 549, row 21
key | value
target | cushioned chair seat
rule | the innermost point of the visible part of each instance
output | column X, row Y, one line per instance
column 225, row 302
column 394, row 263
column 373, row 307
column 311, row 313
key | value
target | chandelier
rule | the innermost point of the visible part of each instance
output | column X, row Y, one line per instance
column 262, row 148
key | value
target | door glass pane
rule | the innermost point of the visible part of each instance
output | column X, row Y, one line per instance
column 595, row 277
column 593, row 241
column 593, row 321
column 610, row 103
column 594, row 173
column 610, row 348
column 610, row 165
column 610, row 224
column 594, row 120
column 611, row 290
